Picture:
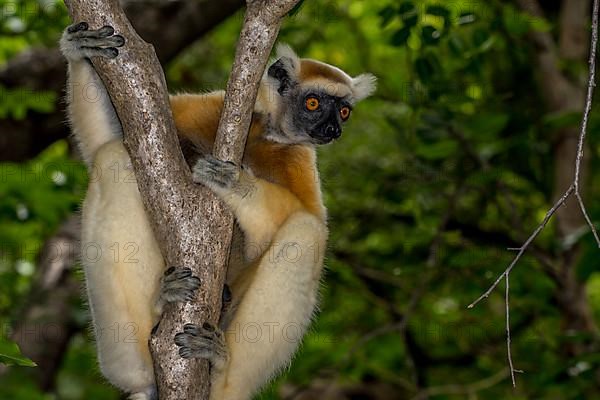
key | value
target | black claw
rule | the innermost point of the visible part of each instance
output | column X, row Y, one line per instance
column 180, row 339
column 178, row 273
column 119, row 40
column 185, row 272
column 185, row 352
column 190, row 329
column 196, row 281
column 106, row 31
column 112, row 52
column 82, row 26
column 208, row 327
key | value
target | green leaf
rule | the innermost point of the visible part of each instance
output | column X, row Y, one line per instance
column 10, row 354
column 387, row 14
column 426, row 67
column 456, row 45
column 409, row 14
column 516, row 23
column 466, row 18
column 436, row 151
column 400, row 37
column 430, row 35
column 440, row 11
column 540, row 24
column 560, row 120
column 486, row 126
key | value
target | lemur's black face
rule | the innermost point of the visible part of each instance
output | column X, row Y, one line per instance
column 309, row 114
column 320, row 115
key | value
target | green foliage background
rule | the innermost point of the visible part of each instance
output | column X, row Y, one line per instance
column 446, row 166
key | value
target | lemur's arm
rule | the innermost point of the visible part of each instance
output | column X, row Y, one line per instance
column 124, row 269
column 197, row 117
column 91, row 114
column 260, row 207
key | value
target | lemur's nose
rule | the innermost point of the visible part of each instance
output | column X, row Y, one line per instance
column 333, row 131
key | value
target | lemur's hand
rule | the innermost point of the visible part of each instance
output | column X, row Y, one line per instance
column 215, row 174
column 79, row 42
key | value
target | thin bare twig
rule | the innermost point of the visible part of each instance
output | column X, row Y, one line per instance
column 508, row 340
column 586, row 116
column 573, row 189
column 522, row 249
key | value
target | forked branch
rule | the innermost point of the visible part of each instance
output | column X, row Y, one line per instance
column 192, row 227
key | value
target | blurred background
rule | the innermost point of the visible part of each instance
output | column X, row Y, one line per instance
column 469, row 139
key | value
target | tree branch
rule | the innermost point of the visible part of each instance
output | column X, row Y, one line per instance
column 573, row 189
column 192, row 226
column 259, row 31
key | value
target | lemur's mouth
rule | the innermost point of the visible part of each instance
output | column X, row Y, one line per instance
column 320, row 139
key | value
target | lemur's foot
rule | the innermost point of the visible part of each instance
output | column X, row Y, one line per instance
column 79, row 42
column 178, row 285
column 215, row 173
column 206, row 341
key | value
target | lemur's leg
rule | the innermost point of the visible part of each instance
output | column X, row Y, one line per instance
column 272, row 317
column 122, row 262
column 260, row 207
column 92, row 115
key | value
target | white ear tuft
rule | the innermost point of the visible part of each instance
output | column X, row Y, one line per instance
column 363, row 86
column 284, row 50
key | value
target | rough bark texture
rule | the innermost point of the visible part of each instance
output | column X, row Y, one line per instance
column 176, row 380
column 566, row 94
column 193, row 228
column 169, row 25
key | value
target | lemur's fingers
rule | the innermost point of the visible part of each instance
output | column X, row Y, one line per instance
column 206, row 341
column 178, row 285
column 107, row 42
column 211, row 171
column 81, row 26
column 79, row 42
column 81, row 30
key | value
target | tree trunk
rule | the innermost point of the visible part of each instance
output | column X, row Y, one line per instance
column 191, row 224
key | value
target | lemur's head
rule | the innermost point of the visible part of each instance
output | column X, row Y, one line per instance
column 311, row 100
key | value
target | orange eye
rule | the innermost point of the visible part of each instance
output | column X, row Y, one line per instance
column 345, row 113
column 312, row 104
